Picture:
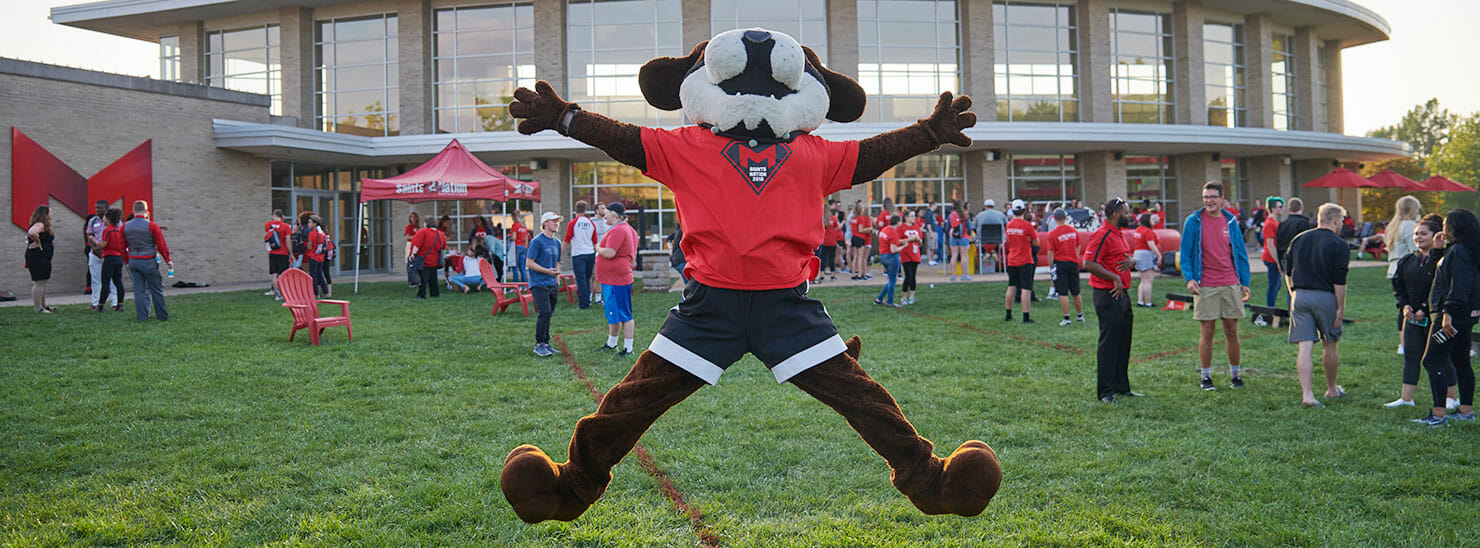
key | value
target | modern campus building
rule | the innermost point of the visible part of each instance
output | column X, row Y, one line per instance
column 288, row 104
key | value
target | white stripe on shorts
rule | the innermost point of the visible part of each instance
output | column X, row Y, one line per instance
column 686, row 359
column 804, row 360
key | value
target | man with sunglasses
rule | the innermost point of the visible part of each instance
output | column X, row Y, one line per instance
column 1107, row 259
column 1216, row 267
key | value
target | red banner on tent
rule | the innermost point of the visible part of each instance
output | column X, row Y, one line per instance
column 453, row 174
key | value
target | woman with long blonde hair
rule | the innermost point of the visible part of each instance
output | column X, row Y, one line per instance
column 1399, row 242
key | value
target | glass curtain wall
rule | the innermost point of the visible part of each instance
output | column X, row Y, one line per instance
column 920, row 181
column 1153, row 178
column 607, row 42
column 1036, row 52
column 1044, row 180
column 1282, row 81
column 1224, row 64
column 909, row 51
column 356, row 75
column 1322, row 114
column 246, row 59
column 480, row 55
column 804, row 20
column 169, row 58
column 1141, row 53
column 497, row 214
column 650, row 207
column 332, row 193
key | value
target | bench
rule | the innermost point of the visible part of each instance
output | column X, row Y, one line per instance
column 1275, row 314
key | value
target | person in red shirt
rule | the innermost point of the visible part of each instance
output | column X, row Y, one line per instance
column 614, row 257
column 828, row 251
column 1108, row 262
column 1147, row 252
column 1064, row 255
column 277, row 234
column 1020, row 237
column 863, row 230
column 521, row 247
column 1276, row 207
column 889, row 246
column 115, row 248
column 413, row 224
column 428, row 244
column 318, row 246
column 912, row 235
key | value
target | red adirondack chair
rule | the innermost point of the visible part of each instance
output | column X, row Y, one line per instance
column 567, row 285
column 501, row 297
column 297, row 288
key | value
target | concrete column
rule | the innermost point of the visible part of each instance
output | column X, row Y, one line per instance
column 1306, row 101
column 1268, row 176
column 842, row 39
column 973, row 165
column 549, row 44
column 977, row 54
column 1335, row 119
column 696, row 26
column 295, row 29
column 995, row 183
column 1188, row 63
column 1192, row 171
column 1103, row 175
column 192, row 52
column 414, row 42
column 1258, row 55
column 555, row 180
column 1307, row 171
column 1094, row 61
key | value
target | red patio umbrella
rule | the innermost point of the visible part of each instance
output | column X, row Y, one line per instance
column 1341, row 178
column 1440, row 183
column 1388, row 178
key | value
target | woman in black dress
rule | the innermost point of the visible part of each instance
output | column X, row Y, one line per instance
column 38, row 257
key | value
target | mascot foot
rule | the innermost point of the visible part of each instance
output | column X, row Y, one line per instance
column 532, row 484
column 967, row 481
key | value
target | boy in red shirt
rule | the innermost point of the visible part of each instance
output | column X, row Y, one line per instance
column 1063, row 249
column 1107, row 261
column 1019, row 241
column 276, row 235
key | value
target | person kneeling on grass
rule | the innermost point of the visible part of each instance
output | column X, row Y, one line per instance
column 471, row 277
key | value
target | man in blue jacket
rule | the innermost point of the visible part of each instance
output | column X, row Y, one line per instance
column 1216, row 267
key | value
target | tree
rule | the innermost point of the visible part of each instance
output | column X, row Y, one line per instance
column 1425, row 127
column 1378, row 203
column 1459, row 158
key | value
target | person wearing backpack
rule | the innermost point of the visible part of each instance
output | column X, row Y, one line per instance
column 275, row 239
column 428, row 244
column 317, row 248
column 299, row 239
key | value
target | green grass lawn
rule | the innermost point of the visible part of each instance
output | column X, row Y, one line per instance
column 212, row 429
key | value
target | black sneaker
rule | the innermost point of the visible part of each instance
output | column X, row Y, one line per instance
column 1207, row 384
column 1432, row 421
column 605, row 348
column 1131, row 394
column 1236, row 382
column 624, row 353
column 1029, row 320
column 1108, row 399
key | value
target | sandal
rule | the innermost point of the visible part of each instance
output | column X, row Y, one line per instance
column 43, row 311
column 50, row 308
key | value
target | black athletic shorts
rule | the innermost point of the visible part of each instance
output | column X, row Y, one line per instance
column 858, row 242
column 1066, row 278
column 277, row 264
column 714, row 327
column 1021, row 276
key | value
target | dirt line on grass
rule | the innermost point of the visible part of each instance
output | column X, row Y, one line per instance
column 984, row 331
column 708, row 537
column 1169, row 353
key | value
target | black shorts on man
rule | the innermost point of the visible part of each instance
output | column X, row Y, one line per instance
column 277, row 264
column 714, row 327
column 1066, row 278
column 1021, row 276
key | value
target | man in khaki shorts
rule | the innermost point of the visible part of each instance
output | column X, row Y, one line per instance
column 1216, row 267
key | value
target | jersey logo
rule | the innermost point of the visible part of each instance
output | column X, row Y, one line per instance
column 757, row 165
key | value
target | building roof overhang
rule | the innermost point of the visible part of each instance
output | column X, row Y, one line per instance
column 1347, row 22
column 307, row 145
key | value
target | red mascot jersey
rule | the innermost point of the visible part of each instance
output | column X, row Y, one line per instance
column 749, row 215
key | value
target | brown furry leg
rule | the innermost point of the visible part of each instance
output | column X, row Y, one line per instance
column 962, row 483
column 539, row 489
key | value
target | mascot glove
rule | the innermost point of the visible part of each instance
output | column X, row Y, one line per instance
column 946, row 123
column 542, row 109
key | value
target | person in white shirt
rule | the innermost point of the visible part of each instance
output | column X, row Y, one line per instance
column 581, row 235
column 601, row 227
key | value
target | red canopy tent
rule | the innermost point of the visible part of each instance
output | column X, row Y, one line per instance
column 1388, row 178
column 453, row 174
column 1440, row 183
column 1341, row 178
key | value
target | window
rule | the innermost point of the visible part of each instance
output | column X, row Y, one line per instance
column 804, row 20
column 650, row 208
column 1036, row 52
column 607, row 42
column 1282, row 81
column 908, row 53
column 1043, row 178
column 1235, row 177
column 169, row 58
column 497, row 214
column 357, row 88
column 1323, row 114
column 1224, row 64
column 480, row 56
column 1152, row 178
column 920, row 181
column 244, row 60
column 1141, row 52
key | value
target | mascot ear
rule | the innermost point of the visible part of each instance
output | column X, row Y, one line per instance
column 661, row 78
column 847, row 97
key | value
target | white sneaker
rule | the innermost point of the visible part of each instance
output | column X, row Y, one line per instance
column 1451, row 404
column 1064, row 322
column 1400, row 350
column 1398, row 403
column 1259, row 321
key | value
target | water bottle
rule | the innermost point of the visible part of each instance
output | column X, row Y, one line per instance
column 171, row 273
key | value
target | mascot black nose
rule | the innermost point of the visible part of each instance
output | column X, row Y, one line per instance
column 757, row 36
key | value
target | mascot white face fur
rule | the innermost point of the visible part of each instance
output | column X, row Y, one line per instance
column 757, row 83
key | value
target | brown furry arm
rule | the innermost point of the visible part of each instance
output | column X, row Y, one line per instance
column 879, row 153
column 543, row 109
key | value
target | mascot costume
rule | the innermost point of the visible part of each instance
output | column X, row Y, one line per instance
column 749, row 182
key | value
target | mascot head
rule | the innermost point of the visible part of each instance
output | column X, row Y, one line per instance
column 752, row 84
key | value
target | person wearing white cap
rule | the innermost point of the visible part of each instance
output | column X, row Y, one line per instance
column 989, row 224
column 542, row 259
column 1019, row 240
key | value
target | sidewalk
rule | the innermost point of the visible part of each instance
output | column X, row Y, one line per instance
column 345, row 286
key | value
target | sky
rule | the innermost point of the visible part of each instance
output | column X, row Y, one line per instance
column 1432, row 54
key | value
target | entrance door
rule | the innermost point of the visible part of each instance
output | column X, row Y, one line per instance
column 324, row 204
